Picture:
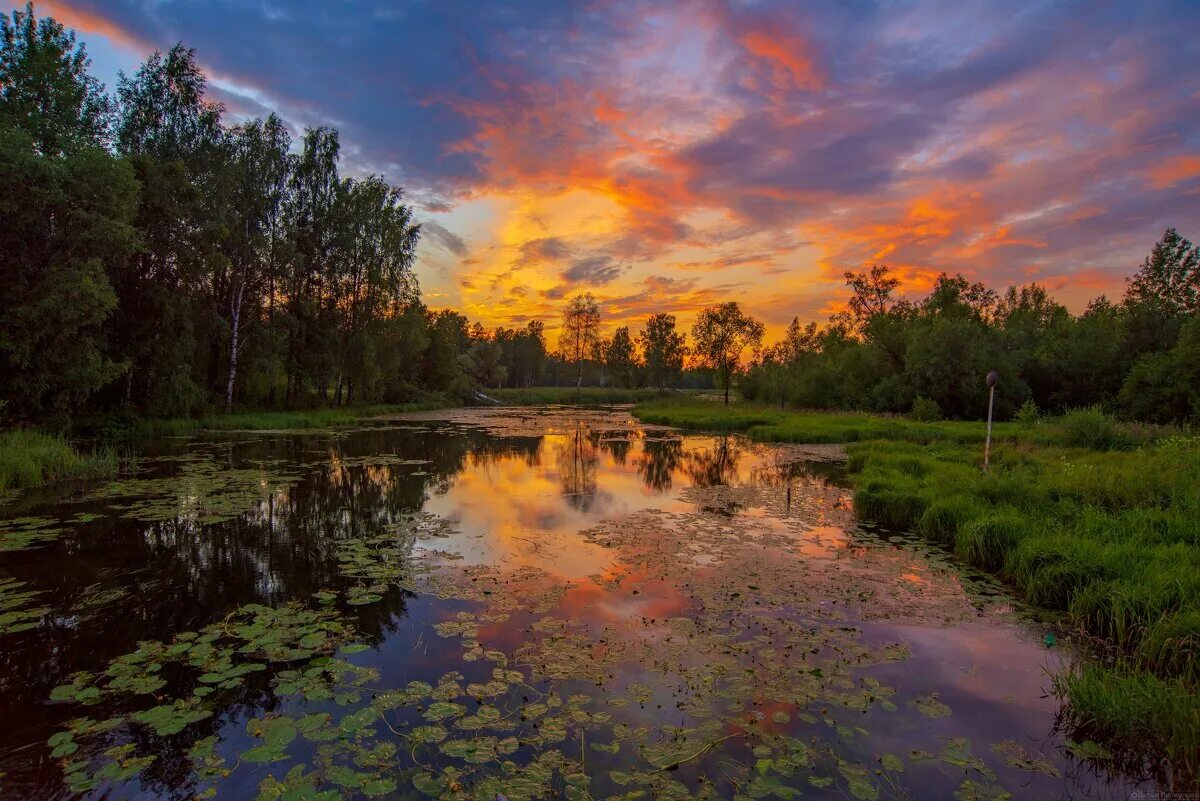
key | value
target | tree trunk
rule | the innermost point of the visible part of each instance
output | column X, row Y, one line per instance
column 726, row 371
column 235, row 315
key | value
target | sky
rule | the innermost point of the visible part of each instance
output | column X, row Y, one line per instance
column 668, row 155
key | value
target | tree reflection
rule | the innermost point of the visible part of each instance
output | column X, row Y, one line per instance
column 717, row 466
column 659, row 460
column 577, row 461
column 618, row 448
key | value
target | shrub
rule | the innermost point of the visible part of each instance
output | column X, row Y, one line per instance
column 1028, row 415
column 925, row 410
column 1091, row 428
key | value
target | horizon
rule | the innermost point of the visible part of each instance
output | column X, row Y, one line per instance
column 703, row 152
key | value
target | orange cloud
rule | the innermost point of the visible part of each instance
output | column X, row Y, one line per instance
column 1174, row 170
column 86, row 22
column 787, row 56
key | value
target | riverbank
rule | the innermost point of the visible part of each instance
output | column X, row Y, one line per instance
column 132, row 427
column 1092, row 519
column 31, row 458
column 570, row 396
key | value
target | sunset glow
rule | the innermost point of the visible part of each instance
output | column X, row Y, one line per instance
column 666, row 156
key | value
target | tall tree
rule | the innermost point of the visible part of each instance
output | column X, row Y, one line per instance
column 663, row 349
column 67, row 223
column 721, row 333
column 164, row 323
column 1169, row 276
column 620, row 358
column 45, row 88
column 260, row 164
column 580, row 332
column 871, row 294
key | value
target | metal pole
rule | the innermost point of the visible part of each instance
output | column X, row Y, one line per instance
column 987, row 447
column 992, row 378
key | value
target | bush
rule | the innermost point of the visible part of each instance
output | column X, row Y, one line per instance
column 925, row 410
column 1028, row 415
column 1091, row 428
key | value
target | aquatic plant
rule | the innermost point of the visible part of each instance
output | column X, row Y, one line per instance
column 31, row 458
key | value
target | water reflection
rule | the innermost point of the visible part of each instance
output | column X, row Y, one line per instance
column 258, row 518
column 578, row 458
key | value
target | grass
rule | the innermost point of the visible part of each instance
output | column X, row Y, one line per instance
column 31, row 458
column 122, row 427
column 586, row 396
column 1096, row 520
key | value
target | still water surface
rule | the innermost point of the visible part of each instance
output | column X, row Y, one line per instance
column 528, row 602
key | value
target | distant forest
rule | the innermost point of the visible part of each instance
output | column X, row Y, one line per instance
column 1138, row 358
column 157, row 260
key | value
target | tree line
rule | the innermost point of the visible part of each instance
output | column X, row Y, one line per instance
column 1139, row 357
column 158, row 259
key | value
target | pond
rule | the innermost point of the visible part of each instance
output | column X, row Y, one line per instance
column 530, row 603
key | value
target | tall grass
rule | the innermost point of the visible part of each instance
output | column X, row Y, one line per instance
column 30, row 458
column 1084, row 515
column 128, row 426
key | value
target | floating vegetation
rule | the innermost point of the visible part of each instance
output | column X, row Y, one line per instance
column 202, row 490
column 21, row 533
column 1017, row 756
column 16, row 612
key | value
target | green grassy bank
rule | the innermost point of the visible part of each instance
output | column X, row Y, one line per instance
column 31, row 458
column 1096, row 520
column 132, row 427
column 585, row 396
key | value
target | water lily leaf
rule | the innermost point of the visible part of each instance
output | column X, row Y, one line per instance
column 1014, row 755
column 440, row 710
column 858, row 780
column 427, row 783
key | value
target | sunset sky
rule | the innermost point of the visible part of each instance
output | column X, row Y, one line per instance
column 669, row 155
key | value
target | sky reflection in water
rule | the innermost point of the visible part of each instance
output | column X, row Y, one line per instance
column 597, row 555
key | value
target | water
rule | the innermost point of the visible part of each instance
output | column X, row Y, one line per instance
column 515, row 601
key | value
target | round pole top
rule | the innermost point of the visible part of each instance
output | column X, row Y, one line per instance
column 992, row 378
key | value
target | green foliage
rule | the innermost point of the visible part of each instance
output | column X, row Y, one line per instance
column 45, row 88
column 1092, row 428
column 580, row 334
column 31, row 458
column 1137, row 358
column 66, row 222
column 1028, row 415
column 925, row 410
column 1134, row 707
column 720, row 334
column 664, row 349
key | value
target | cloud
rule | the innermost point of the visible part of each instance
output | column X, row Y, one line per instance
column 674, row 154
column 593, row 270
column 547, row 249
column 444, row 237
